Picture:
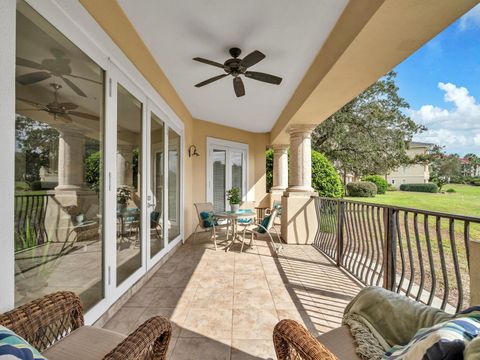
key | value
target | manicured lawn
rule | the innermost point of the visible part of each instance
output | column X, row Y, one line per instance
column 466, row 200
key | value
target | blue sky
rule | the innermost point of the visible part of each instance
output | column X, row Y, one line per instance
column 441, row 81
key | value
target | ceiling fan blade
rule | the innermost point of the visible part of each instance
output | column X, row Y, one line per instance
column 32, row 78
column 210, row 62
column 29, row 110
column 30, row 102
column 208, row 81
column 271, row 79
column 83, row 78
column 68, row 105
column 29, row 63
column 238, row 86
column 73, row 87
column 252, row 58
column 84, row 115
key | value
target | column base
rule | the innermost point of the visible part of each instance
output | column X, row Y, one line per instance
column 299, row 218
column 300, row 188
column 276, row 195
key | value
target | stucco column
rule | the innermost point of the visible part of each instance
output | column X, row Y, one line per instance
column 71, row 150
column 124, row 165
column 280, row 167
column 300, row 172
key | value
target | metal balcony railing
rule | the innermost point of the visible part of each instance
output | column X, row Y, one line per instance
column 423, row 254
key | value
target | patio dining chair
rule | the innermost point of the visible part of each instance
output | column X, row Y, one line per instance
column 155, row 219
column 207, row 222
column 263, row 227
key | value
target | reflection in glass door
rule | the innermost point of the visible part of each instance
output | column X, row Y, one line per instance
column 129, row 201
column 59, row 125
column 156, row 193
column 219, row 179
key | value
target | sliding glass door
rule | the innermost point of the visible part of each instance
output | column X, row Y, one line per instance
column 98, row 171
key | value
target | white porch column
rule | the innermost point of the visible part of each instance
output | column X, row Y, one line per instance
column 299, row 220
column 300, row 174
column 71, row 150
column 280, row 167
column 124, row 165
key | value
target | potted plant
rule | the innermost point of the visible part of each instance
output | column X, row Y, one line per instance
column 124, row 195
column 233, row 196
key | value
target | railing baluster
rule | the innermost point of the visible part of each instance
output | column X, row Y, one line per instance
column 349, row 250
column 430, row 260
column 370, row 239
column 420, row 257
column 442, row 261
column 458, row 277
column 381, row 232
column 410, row 254
column 390, row 249
column 366, row 247
column 358, row 240
column 400, row 248
column 340, row 235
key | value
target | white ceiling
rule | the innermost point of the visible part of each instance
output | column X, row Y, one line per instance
column 290, row 34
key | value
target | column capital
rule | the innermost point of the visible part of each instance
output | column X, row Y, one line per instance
column 280, row 147
column 301, row 129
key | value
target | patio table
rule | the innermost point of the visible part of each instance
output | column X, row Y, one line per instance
column 233, row 218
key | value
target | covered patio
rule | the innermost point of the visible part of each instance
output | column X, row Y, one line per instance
column 224, row 305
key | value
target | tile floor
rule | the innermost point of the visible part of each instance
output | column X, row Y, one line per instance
column 224, row 305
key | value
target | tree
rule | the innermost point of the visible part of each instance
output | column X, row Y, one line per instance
column 471, row 169
column 35, row 144
column 443, row 167
column 370, row 134
column 325, row 179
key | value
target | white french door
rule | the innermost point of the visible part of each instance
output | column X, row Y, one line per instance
column 227, row 167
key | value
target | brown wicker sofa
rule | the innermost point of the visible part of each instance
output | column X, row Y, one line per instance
column 54, row 325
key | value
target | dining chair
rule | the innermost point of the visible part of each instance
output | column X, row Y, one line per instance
column 207, row 222
column 263, row 227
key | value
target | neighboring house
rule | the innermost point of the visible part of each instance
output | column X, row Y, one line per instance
column 411, row 174
column 469, row 168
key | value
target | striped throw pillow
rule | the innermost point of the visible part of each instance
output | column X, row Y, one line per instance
column 444, row 341
column 14, row 347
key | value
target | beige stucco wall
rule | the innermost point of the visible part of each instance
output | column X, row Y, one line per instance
column 257, row 144
column 110, row 16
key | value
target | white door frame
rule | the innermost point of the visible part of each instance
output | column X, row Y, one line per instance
column 228, row 146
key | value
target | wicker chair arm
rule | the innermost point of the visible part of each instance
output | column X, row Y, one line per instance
column 149, row 341
column 293, row 342
column 44, row 321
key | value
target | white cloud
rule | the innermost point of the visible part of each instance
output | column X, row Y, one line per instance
column 471, row 18
column 456, row 127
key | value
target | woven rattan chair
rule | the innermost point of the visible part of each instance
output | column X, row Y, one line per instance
column 208, row 207
column 293, row 342
column 54, row 325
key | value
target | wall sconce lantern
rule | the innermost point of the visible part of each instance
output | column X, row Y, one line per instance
column 192, row 151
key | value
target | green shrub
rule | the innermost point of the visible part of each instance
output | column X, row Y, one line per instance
column 361, row 189
column 378, row 180
column 325, row 179
column 428, row 187
column 92, row 170
column 475, row 182
column 450, row 191
column 391, row 187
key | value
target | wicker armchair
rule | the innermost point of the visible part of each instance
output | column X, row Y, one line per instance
column 46, row 322
column 293, row 342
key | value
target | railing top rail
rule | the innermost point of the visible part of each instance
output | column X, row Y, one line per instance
column 473, row 219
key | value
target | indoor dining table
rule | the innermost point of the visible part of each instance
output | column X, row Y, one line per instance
column 241, row 216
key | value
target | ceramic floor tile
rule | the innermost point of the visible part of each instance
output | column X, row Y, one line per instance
column 211, row 323
column 252, row 349
column 254, row 323
column 201, row 348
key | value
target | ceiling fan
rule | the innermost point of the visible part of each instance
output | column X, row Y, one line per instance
column 62, row 110
column 57, row 66
column 236, row 67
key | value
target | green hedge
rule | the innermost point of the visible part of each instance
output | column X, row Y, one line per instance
column 325, row 179
column 378, row 180
column 428, row 187
column 361, row 189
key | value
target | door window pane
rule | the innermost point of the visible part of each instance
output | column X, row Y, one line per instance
column 219, row 179
column 173, row 185
column 129, row 160
column 58, row 164
column 156, row 185
column 237, row 171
